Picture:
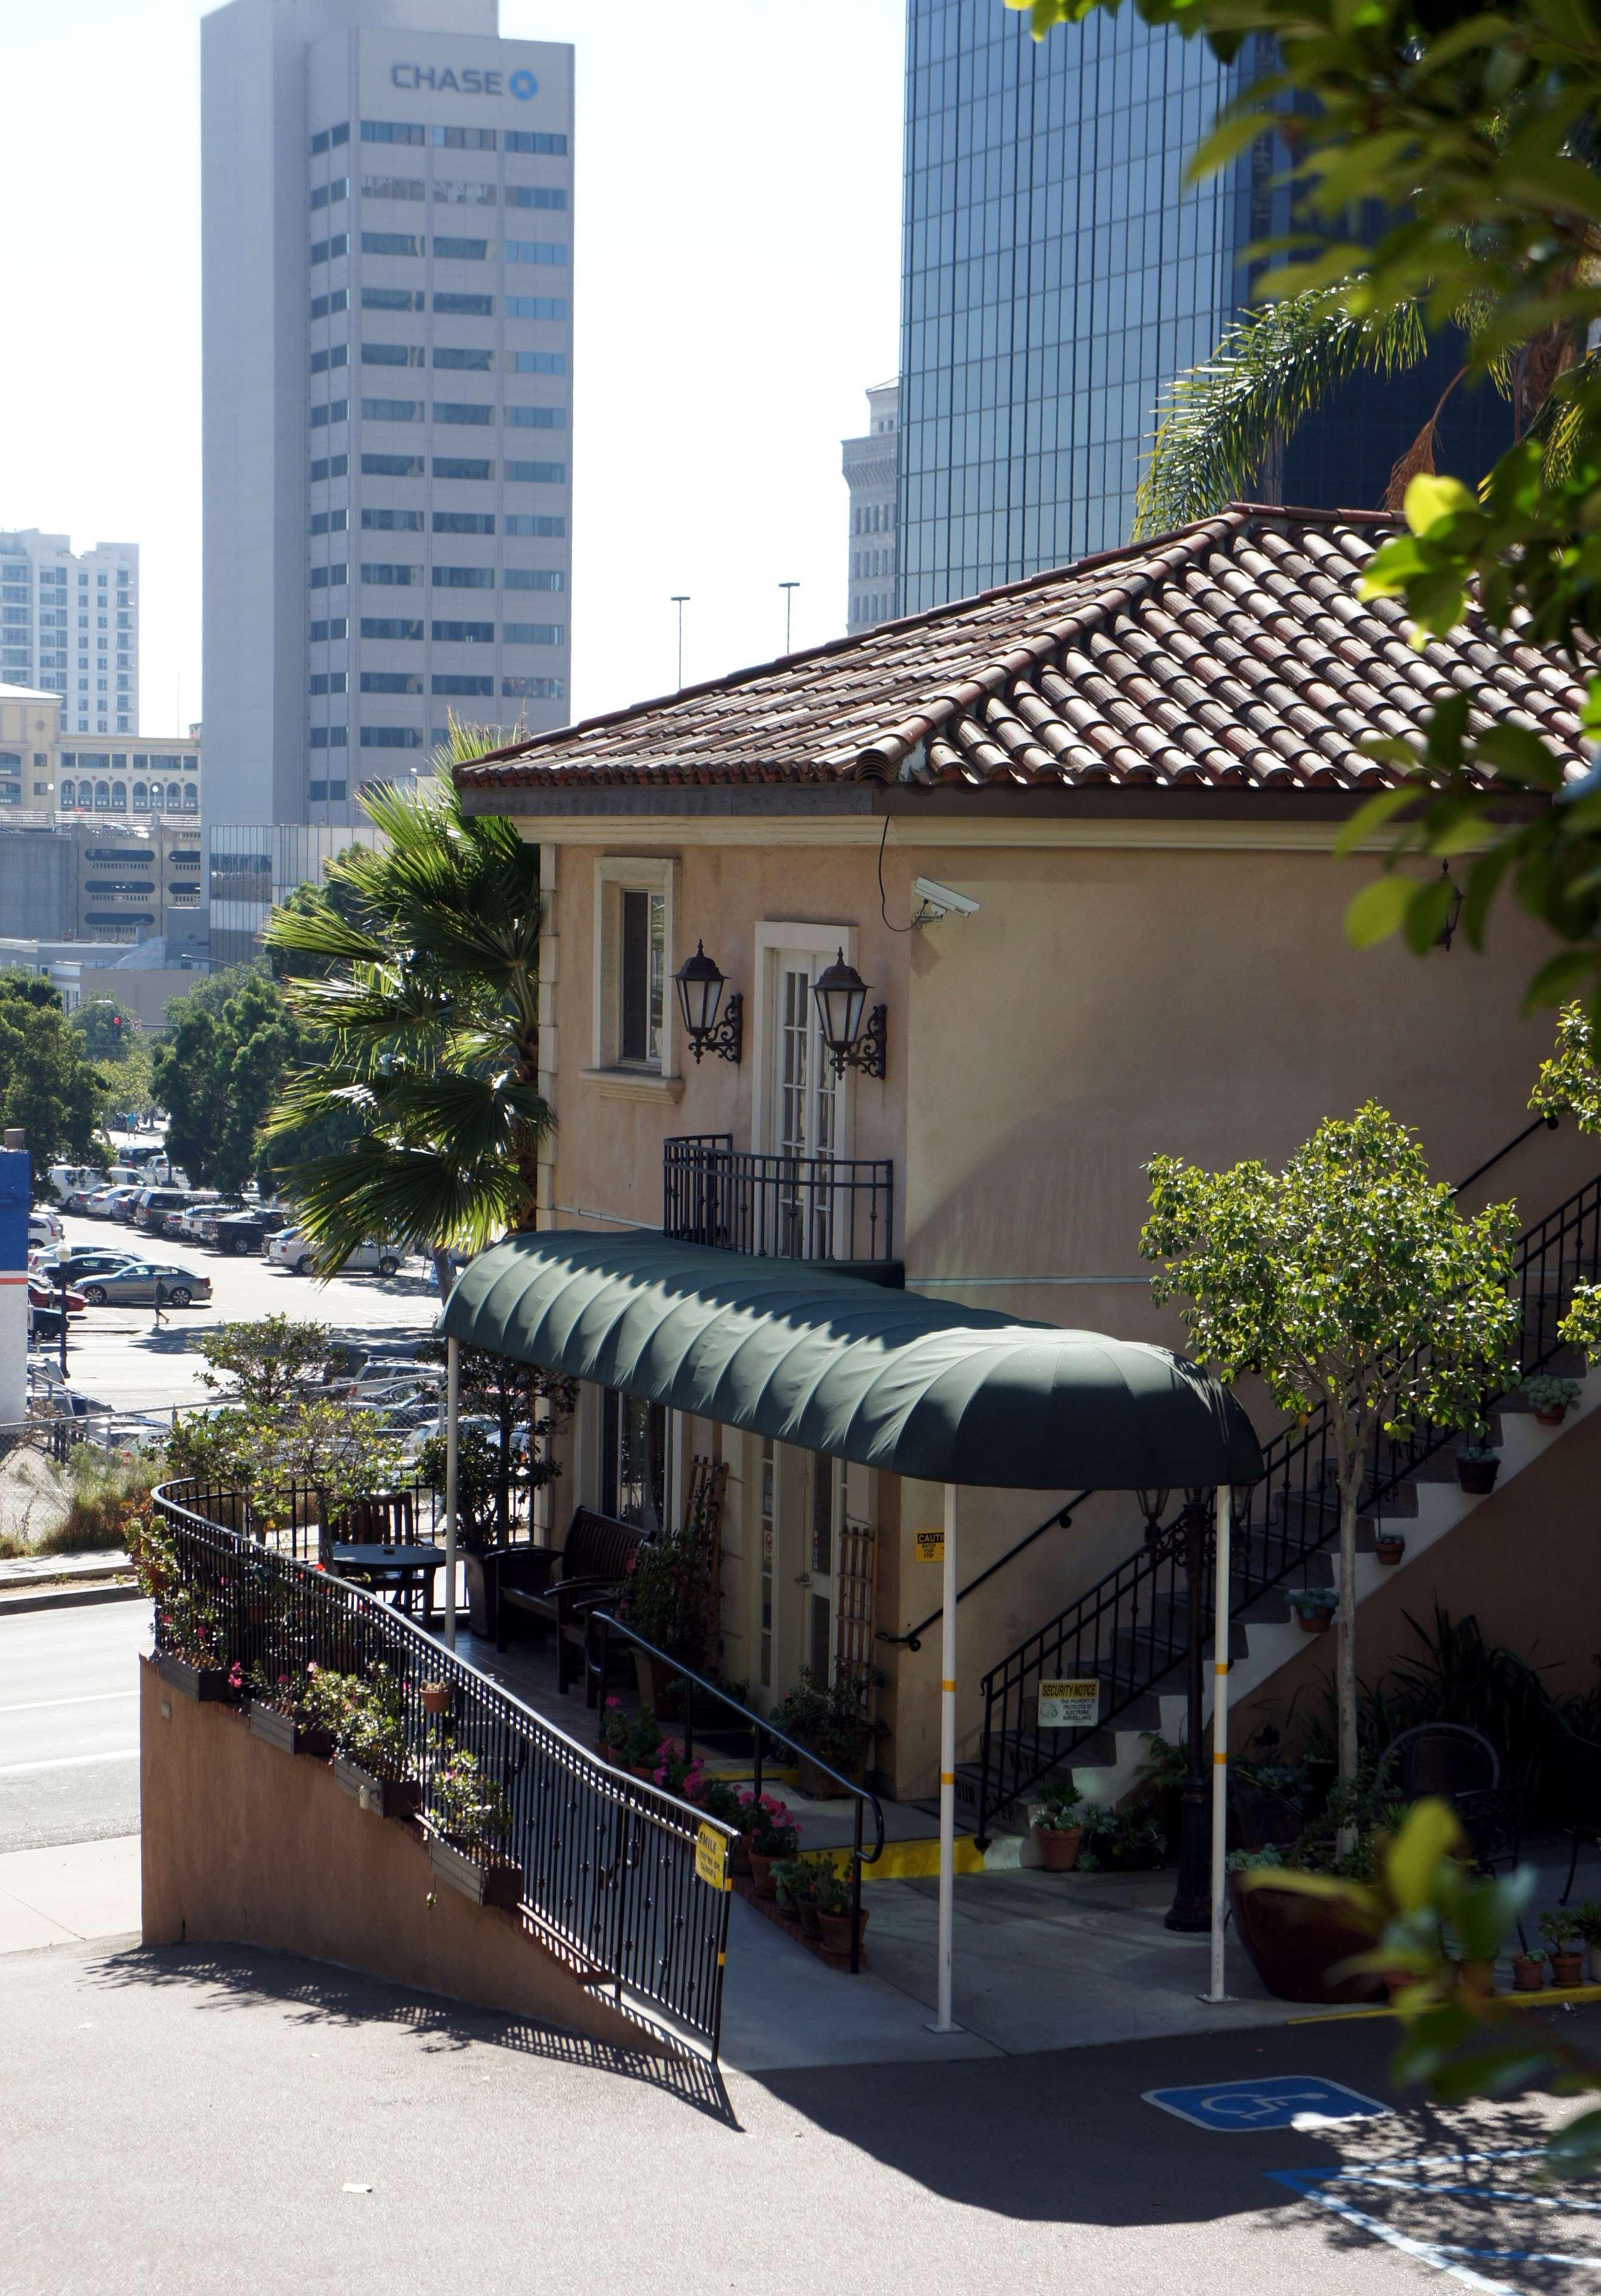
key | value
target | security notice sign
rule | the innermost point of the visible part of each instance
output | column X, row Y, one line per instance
column 929, row 1546
column 1070, row 1705
column 711, row 1858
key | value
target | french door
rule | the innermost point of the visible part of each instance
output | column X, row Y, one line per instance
column 805, row 1111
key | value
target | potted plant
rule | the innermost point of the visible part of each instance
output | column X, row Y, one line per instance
column 1559, row 1931
column 769, row 1833
column 1550, row 1398
column 1528, row 1973
column 1588, row 1918
column 1314, row 1607
column 832, row 1895
column 1295, row 1941
column 1478, row 1463
column 472, row 1816
column 615, row 1732
column 1119, row 1840
column 641, row 1744
column 302, row 1716
column 1388, row 1547
column 372, row 1759
column 1057, row 1826
column 437, row 1698
column 830, row 1720
column 798, row 1880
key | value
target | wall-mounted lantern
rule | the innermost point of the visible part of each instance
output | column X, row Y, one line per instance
column 841, row 996
column 1448, row 930
column 700, row 986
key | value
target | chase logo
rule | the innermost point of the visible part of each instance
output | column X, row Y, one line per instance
column 522, row 84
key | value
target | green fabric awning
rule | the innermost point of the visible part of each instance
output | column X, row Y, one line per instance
column 788, row 1348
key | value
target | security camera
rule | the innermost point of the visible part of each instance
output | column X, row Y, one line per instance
column 937, row 901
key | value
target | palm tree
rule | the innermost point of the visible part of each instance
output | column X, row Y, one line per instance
column 1276, row 366
column 426, row 997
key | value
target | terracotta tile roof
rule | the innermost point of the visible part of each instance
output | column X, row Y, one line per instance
column 1233, row 654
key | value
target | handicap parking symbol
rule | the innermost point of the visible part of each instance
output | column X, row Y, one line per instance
column 1279, row 2101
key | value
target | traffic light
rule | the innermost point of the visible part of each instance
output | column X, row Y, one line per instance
column 117, row 1025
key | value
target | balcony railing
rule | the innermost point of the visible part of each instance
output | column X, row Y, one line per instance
column 833, row 1208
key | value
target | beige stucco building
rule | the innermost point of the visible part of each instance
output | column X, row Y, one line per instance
column 1133, row 773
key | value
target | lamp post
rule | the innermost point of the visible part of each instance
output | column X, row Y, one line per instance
column 700, row 984
column 681, row 601
column 841, row 996
column 1188, row 1540
column 789, row 590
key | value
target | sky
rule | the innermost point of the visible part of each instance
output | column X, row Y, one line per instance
column 735, row 289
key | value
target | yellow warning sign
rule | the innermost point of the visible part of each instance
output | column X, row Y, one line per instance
column 711, row 1858
column 929, row 1546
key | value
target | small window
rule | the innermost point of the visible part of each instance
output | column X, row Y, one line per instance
column 642, row 976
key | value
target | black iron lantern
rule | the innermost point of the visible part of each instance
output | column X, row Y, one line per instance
column 1448, row 930
column 700, row 984
column 841, row 996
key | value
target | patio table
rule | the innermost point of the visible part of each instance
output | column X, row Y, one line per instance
column 401, row 1567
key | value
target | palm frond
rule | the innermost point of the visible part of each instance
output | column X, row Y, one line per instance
column 1268, row 374
column 419, row 1197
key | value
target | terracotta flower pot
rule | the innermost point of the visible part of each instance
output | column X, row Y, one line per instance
column 1294, row 1942
column 1477, row 1477
column 1567, row 1968
column 835, row 1929
column 761, row 1874
column 1058, row 1848
column 1528, row 1974
column 436, row 1698
column 1388, row 1551
column 1316, row 1622
column 1477, row 1977
column 811, row 1921
column 1553, row 1416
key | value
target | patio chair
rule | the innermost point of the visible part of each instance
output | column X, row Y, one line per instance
column 1571, row 1769
column 1461, row 1766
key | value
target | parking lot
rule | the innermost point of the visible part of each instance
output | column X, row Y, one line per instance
column 118, row 1357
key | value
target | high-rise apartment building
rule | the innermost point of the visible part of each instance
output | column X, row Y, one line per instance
column 1058, row 273
column 70, row 624
column 386, row 253
column 869, row 464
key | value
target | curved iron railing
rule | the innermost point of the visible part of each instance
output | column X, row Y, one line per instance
column 1129, row 1629
column 817, row 1207
column 762, row 1730
column 609, row 1881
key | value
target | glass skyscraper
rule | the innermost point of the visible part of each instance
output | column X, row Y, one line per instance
column 1058, row 273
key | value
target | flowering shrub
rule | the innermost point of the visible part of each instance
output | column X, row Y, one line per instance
column 768, row 1826
column 470, row 1810
column 614, row 1725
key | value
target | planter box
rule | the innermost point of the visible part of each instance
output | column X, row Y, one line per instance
column 385, row 1797
column 282, row 1730
column 1294, row 1942
column 198, row 1682
column 494, row 1884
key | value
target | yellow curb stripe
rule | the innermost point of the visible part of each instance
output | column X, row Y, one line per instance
column 1549, row 1997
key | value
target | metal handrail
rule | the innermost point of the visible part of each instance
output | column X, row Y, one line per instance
column 1062, row 1519
column 1126, row 1627
column 761, row 1728
column 777, row 1205
column 609, row 1877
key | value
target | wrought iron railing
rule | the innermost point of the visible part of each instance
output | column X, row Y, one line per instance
column 602, row 1625
column 1128, row 1630
column 829, row 1208
column 610, row 1883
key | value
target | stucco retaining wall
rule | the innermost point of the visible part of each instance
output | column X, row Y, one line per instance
column 243, row 1843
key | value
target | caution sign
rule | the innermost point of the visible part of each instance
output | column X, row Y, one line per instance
column 711, row 1858
column 1070, row 1705
column 929, row 1546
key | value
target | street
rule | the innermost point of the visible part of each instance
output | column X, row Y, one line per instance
column 119, row 1356
column 69, row 1725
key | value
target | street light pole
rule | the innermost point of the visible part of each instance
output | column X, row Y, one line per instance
column 789, row 589
column 681, row 601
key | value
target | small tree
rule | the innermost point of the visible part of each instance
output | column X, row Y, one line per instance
column 269, row 1363
column 1351, row 1280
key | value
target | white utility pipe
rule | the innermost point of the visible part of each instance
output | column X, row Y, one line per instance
column 453, row 1412
column 1220, row 1748
column 944, row 2022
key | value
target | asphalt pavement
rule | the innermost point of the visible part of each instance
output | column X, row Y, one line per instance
column 69, row 1725
column 189, row 2118
column 120, row 1358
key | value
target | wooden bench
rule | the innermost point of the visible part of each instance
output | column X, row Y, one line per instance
column 559, row 1587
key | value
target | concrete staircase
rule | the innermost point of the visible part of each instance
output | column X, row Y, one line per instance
column 1266, row 1635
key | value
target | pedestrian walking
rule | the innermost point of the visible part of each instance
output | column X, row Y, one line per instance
column 161, row 1300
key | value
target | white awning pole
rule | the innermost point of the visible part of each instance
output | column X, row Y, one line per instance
column 943, row 2022
column 453, row 1412
column 1219, row 1747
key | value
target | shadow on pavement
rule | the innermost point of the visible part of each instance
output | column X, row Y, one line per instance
column 314, row 1993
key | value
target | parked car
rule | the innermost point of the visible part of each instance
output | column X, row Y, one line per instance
column 135, row 1286
column 79, row 1179
column 295, row 1250
column 41, row 1294
column 198, row 1225
column 51, row 1266
column 242, row 1232
column 105, row 1203
column 153, row 1204
column 44, row 1226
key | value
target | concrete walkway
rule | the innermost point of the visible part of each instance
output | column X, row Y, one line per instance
column 68, row 1895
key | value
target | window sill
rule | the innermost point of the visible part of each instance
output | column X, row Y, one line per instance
column 634, row 1084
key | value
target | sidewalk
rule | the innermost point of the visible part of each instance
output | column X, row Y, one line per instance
column 64, row 1896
